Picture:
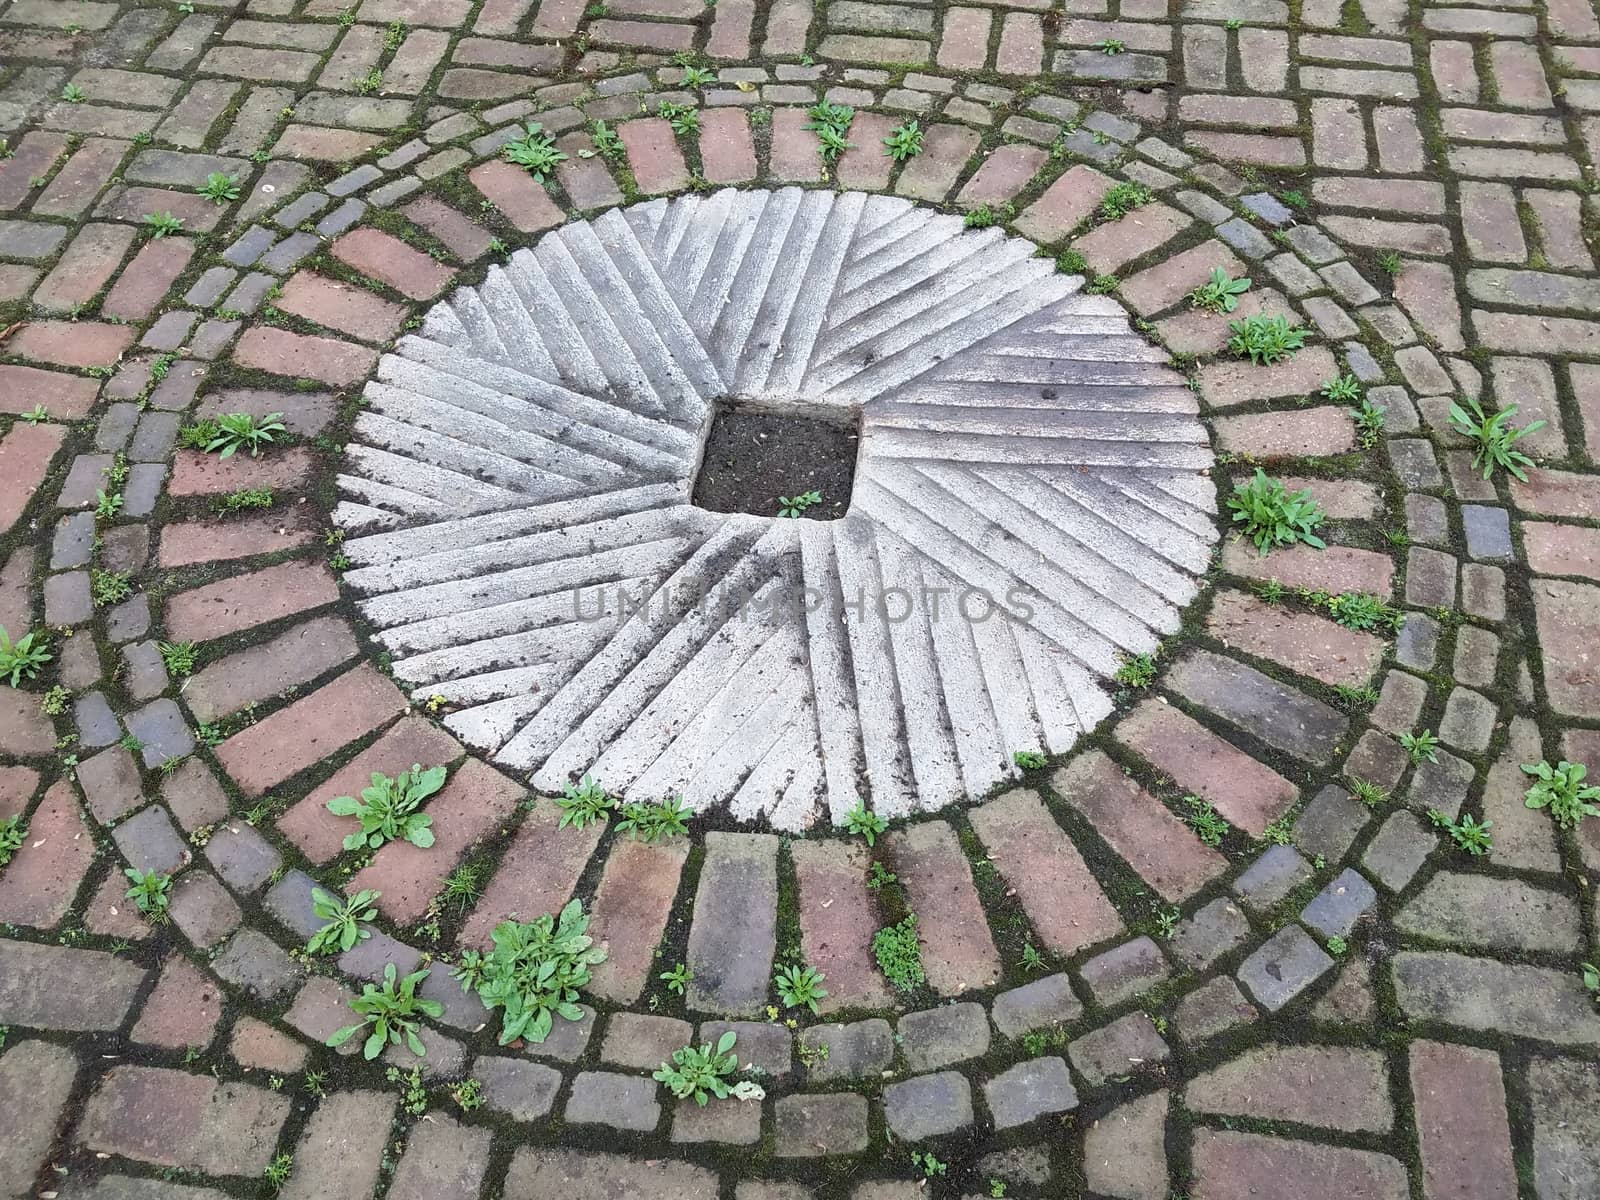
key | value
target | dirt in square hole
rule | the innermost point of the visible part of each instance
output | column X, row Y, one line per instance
column 755, row 457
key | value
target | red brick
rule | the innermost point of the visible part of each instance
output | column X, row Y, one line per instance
column 1244, row 791
column 84, row 268
column 341, row 306
column 964, row 45
column 174, row 1119
column 195, row 473
column 387, row 259
column 144, row 285
column 838, row 919
column 16, row 595
column 1040, row 864
column 17, row 785
column 1460, row 1102
column 310, row 729
column 466, row 240
column 182, row 1011
column 730, row 30
column 539, row 874
column 865, row 166
column 1003, row 174
column 65, row 397
column 1170, row 281
column 1107, row 247
column 186, row 542
column 225, row 607
column 16, row 281
column 35, row 1084
column 39, row 885
column 194, row 796
column 76, row 185
column 796, row 156
column 557, row 18
column 1586, row 387
column 727, row 154
column 109, row 914
column 958, row 954
column 1558, row 494
column 1145, row 832
column 43, row 986
column 1336, row 569
column 321, row 1007
column 586, row 181
column 306, row 356
column 1568, row 616
column 320, row 834
column 324, row 145
column 25, row 457
column 1021, row 45
column 517, row 194
column 31, row 159
column 631, row 908
column 343, row 1147
column 71, row 343
column 1065, row 204
column 787, row 25
column 203, row 910
column 257, row 673
column 1562, row 549
column 648, row 35
column 475, row 800
column 1307, row 644
column 1309, row 433
column 304, row 413
column 1232, row 1166
column 196, row 212
column 931, row 175
column 257, row 1046
column 1333, row 1087
column 1238, row 381
column 443, row 1160
column 653, row 154
column 25, row 732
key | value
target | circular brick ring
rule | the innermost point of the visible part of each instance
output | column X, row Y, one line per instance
column 1032, row 505
column 1163, row 849
column 1107, row 794
column 1034, row 855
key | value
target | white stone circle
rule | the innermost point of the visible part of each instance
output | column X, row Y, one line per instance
column 516, row 498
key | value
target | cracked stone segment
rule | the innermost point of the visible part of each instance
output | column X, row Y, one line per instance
column 539, row 436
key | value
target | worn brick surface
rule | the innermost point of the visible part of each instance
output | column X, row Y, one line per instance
column 1248, row 793
column 958, row 953
column 295, row 737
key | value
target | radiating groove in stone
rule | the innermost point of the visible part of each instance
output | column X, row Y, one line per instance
column 517, row 502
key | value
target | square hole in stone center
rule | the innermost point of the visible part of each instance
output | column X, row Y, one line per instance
column 775, row 463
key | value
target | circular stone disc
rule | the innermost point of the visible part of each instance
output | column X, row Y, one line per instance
column 1031, row 504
